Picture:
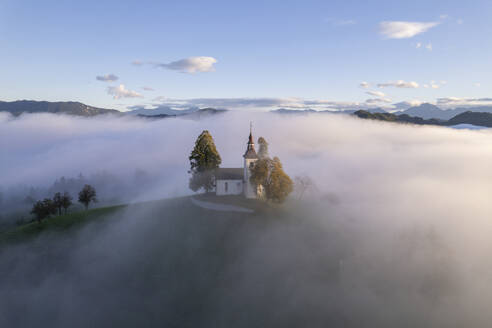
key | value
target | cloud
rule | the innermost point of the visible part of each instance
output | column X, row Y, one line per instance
column 477, row 84
column 346, row 22
column 402, row 105
column 148, row 89
column 190, row 65
column 402, row 30
column 460, row 21
column 376, row 94
column 137, row 63
column 364, row 84
column 120, row 91
column 452, row 102
column 429, row 46
column 399, row 84
column 372, row 101
column 418, row 45
column 107, row 78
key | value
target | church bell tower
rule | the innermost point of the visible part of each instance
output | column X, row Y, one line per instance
column 250, row 157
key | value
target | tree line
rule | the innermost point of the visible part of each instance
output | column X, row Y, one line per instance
column 47, row 207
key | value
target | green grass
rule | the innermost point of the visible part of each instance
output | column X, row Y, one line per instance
column 65, row 224
column 56, row 223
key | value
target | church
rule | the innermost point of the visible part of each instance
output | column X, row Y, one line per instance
column 235, row 181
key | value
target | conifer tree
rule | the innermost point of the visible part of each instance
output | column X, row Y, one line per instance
column 204, row 159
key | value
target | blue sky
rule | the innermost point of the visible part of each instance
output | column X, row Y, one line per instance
column 294, row 53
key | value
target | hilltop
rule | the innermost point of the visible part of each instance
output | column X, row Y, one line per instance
column 68, row 107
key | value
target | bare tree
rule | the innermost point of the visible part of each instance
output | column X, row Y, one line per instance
column 303, row 184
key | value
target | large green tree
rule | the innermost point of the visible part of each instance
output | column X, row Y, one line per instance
column 66, row 201
column 58, row 202
column 204, row 159
column 87, row 195
column 43, row 209
column 270, row 174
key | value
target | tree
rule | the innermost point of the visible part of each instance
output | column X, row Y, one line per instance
column 302, row 184
column 269, row 173
column 87, row 195
column 43, row 209
column 57, row 202
column 204, row 159
column 66, row 201
column 263, row 150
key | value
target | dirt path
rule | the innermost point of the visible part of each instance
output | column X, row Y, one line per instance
column 220, row 207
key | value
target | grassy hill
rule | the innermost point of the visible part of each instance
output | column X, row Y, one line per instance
column 57, row 223
column 61, row 107
column 169, row 263
column 69, row 223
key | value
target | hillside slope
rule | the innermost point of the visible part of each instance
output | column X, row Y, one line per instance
column 467, row 118
column 71, row 108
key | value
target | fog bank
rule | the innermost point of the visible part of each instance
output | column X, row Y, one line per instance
column 396, row 232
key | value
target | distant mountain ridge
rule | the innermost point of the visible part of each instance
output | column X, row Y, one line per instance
column 191, row 114
column 428, row 111
column 61, row 107
column 310, row 111
column 471, row 118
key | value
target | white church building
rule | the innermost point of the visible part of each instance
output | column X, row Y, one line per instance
column 235, row 181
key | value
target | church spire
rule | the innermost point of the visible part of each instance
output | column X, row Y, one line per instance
column 251, row 142
column 250, row 151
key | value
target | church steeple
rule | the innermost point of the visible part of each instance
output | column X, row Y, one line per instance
column 250, row 151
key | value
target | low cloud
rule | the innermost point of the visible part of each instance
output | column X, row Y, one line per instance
column 252, row 103
column 148, row 89
column 107, row 78
column 402, row 105
column 364, row 84
column 120, row 91
column 382, row 239
column 403, row 30
column 399, row 84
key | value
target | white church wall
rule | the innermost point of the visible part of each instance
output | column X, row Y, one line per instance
column 229, row 187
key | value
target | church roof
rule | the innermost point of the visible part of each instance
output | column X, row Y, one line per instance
column 227, row 173
column 250, row 151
